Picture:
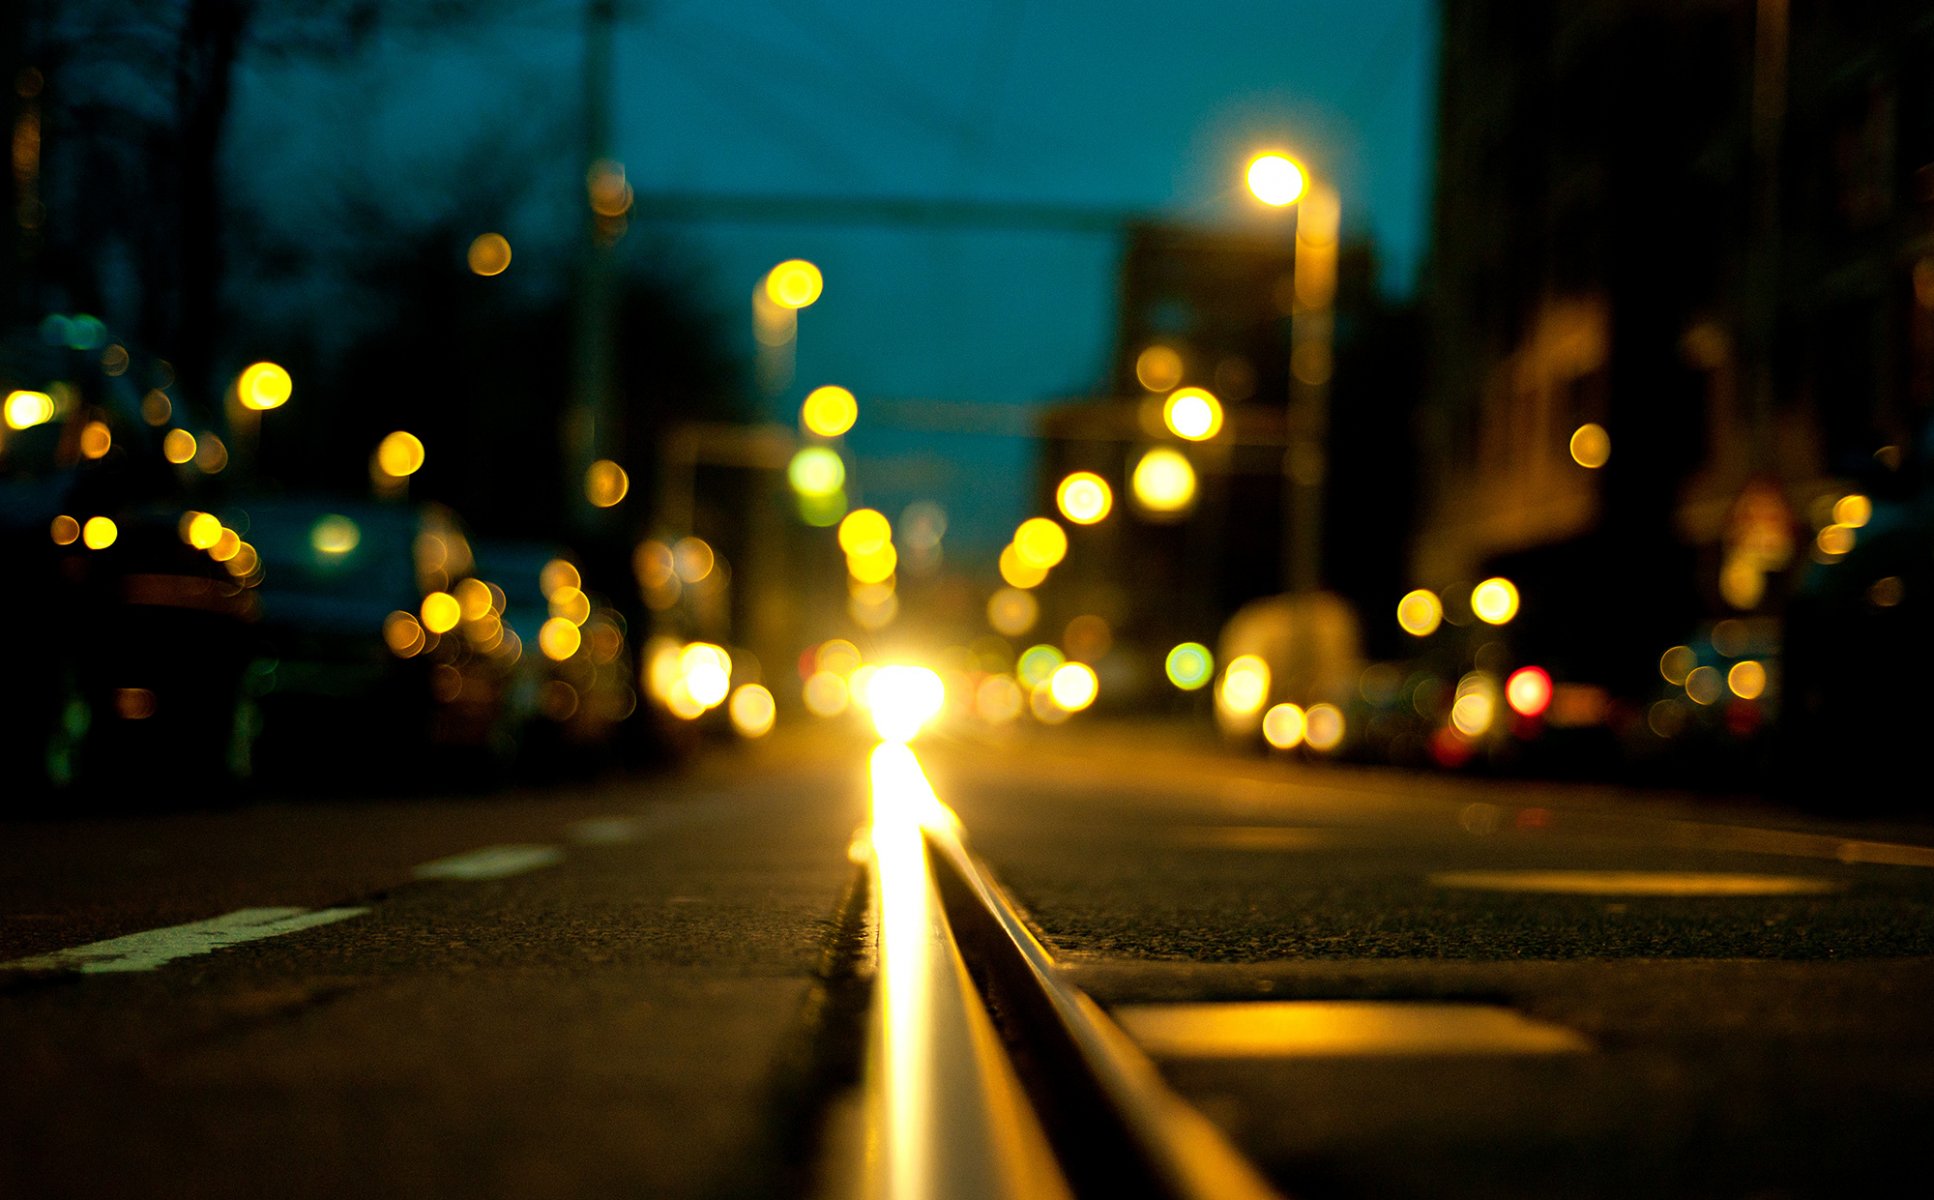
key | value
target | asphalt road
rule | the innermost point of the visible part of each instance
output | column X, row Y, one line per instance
column 1724, row 1042
column 652, row 986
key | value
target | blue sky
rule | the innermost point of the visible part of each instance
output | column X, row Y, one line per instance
column 1124, row 106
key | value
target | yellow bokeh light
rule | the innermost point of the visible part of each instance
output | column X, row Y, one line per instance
column 1747, row 679
column 1591, row 446
column 1284, row 726
column 557, row 573
column 1704, row 685
column 1675, row 664
column 1473, row 713
column 400, row 454
column 28, row 409
column 876, row 567
column 262, row 386
column 1245, row 685
column 1012, row 612
column 559, row 638
column 706, row 671
column 403, row 635
column 605, row 483
column 863, row 531
column 1189, row 665
column 489, row 254
column 1164, row 482
column 1853, row 510
column 178, row 446
column 1835, row 540
column 752, row 710
column 999, row 700
column 1084, row 498
column 201, row 530
column 794, row 283
column 1192, row 413
column 1495, row 601
column 1158, row 368
column 226, row 547
column 1420, row 612
column 65, row 530
column 211, row 456
column 440, row 612
column 474, row 596
column 99, row 533
column 96, row 439
column 571, row 604
column 1276, row 179
column 1040, row 543
column 829, row 411
column 693, row 559
column 1016, row 571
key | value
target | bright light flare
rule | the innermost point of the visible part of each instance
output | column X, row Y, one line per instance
column 1189, row 666
column 706, row 670
column 903, row 699
column 864, row 531
column 606, row 483
column 816, row 471
column 99, row 533
column 440, row 612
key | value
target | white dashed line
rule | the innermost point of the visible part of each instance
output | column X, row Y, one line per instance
column 491, row 862
column 146, row 951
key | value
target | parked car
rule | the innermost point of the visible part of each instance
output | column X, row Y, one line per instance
column 380, row 647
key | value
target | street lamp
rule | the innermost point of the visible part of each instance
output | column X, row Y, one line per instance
column 1279, row 181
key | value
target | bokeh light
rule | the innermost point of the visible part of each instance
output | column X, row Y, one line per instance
column 96, row 439
column 440, row 612
column 1495, row 601
column 178, row 446
column 605, row 483
column 65, row 530
column 1192, row 413
column 1037, row 664
column 332, row 535
column 1073, row 686
column 902, row 699
column 1528, row 691
column 829, row 411
column 1324, row 727
column 794, row 283
column 752, row 710
column 816, row 471
column 98, row 533
column 1189, row 666
column 864, row 531
column 1016, row 570
column 1164, row 481
column 1012, row 612
column 28, row 409
column 400, row 454
column 1591, row 446
column 1419, row 613
column 1158, row 368
column 1040, row 543
column 263, row 385
column 1245, row 685
column 1084, row 498
column 1747, row 679
column 489, row 254
column 1284, row 726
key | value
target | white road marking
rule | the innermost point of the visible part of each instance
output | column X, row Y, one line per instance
column 491, row 862
column 146, row 951
column 1637, row 883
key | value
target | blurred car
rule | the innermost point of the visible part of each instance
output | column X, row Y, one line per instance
column 573, row 683
column 1303, row 651
column 377, row 637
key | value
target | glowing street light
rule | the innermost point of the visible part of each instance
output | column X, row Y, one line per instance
column 1084, row 498
column 1276, row 179
column 794, row 283
column 1192, row 413
column 829, row 411
column 262, row 386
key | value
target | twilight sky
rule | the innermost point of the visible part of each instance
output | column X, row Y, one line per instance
column 1123, row 106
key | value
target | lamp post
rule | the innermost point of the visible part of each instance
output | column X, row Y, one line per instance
column 1278, row 181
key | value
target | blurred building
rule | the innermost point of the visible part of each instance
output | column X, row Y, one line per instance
column 1211, row 309
column 1681, row 299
